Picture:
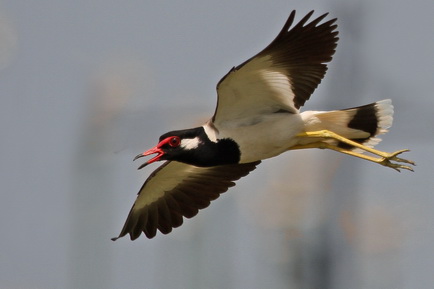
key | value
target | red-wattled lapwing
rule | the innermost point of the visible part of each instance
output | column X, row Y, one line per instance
column 257, row 117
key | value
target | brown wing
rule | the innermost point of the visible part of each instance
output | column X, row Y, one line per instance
column 176, row 190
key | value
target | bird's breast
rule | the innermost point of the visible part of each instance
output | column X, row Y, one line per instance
column 263, row 137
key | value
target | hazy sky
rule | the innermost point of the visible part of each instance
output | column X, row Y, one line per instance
column 87, row 85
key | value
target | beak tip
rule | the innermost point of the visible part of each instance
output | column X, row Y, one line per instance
column 142, row 166
column 138, row 156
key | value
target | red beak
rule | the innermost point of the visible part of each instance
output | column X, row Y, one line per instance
column 156, row 150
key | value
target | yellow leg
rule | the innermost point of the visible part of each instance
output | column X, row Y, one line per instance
column 384, row 159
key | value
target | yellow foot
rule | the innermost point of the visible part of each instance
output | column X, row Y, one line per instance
column 387, row 159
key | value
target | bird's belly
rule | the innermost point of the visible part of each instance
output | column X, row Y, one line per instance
column 269, row 137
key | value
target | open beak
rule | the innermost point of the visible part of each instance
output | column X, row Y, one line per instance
column 156, row 150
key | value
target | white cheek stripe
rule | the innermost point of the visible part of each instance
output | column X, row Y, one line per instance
column 190, row 143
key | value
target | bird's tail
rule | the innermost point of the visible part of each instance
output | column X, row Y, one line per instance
column 360, row 124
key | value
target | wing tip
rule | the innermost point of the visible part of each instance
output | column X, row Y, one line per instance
column 118, row 237
column 304, row 20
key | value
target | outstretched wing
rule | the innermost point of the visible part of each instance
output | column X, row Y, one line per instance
column 176, row 190
column 282, row 76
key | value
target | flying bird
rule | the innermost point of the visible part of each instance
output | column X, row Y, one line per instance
column 257, row 117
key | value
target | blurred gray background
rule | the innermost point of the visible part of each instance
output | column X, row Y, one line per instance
column 87, row 85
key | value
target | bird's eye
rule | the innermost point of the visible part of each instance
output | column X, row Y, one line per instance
column 175, row 141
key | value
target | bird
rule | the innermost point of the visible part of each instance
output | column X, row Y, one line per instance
column 257, row 117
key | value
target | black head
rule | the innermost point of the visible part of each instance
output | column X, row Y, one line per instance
column 192, row 146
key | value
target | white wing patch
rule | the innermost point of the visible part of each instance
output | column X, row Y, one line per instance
column 279, row 85
column 256, row 88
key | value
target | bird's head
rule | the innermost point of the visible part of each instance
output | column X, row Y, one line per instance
column 194, row 147
column 175, row 145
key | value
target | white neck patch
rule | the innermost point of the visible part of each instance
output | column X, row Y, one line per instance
column 190, row 143
column 210, row 131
